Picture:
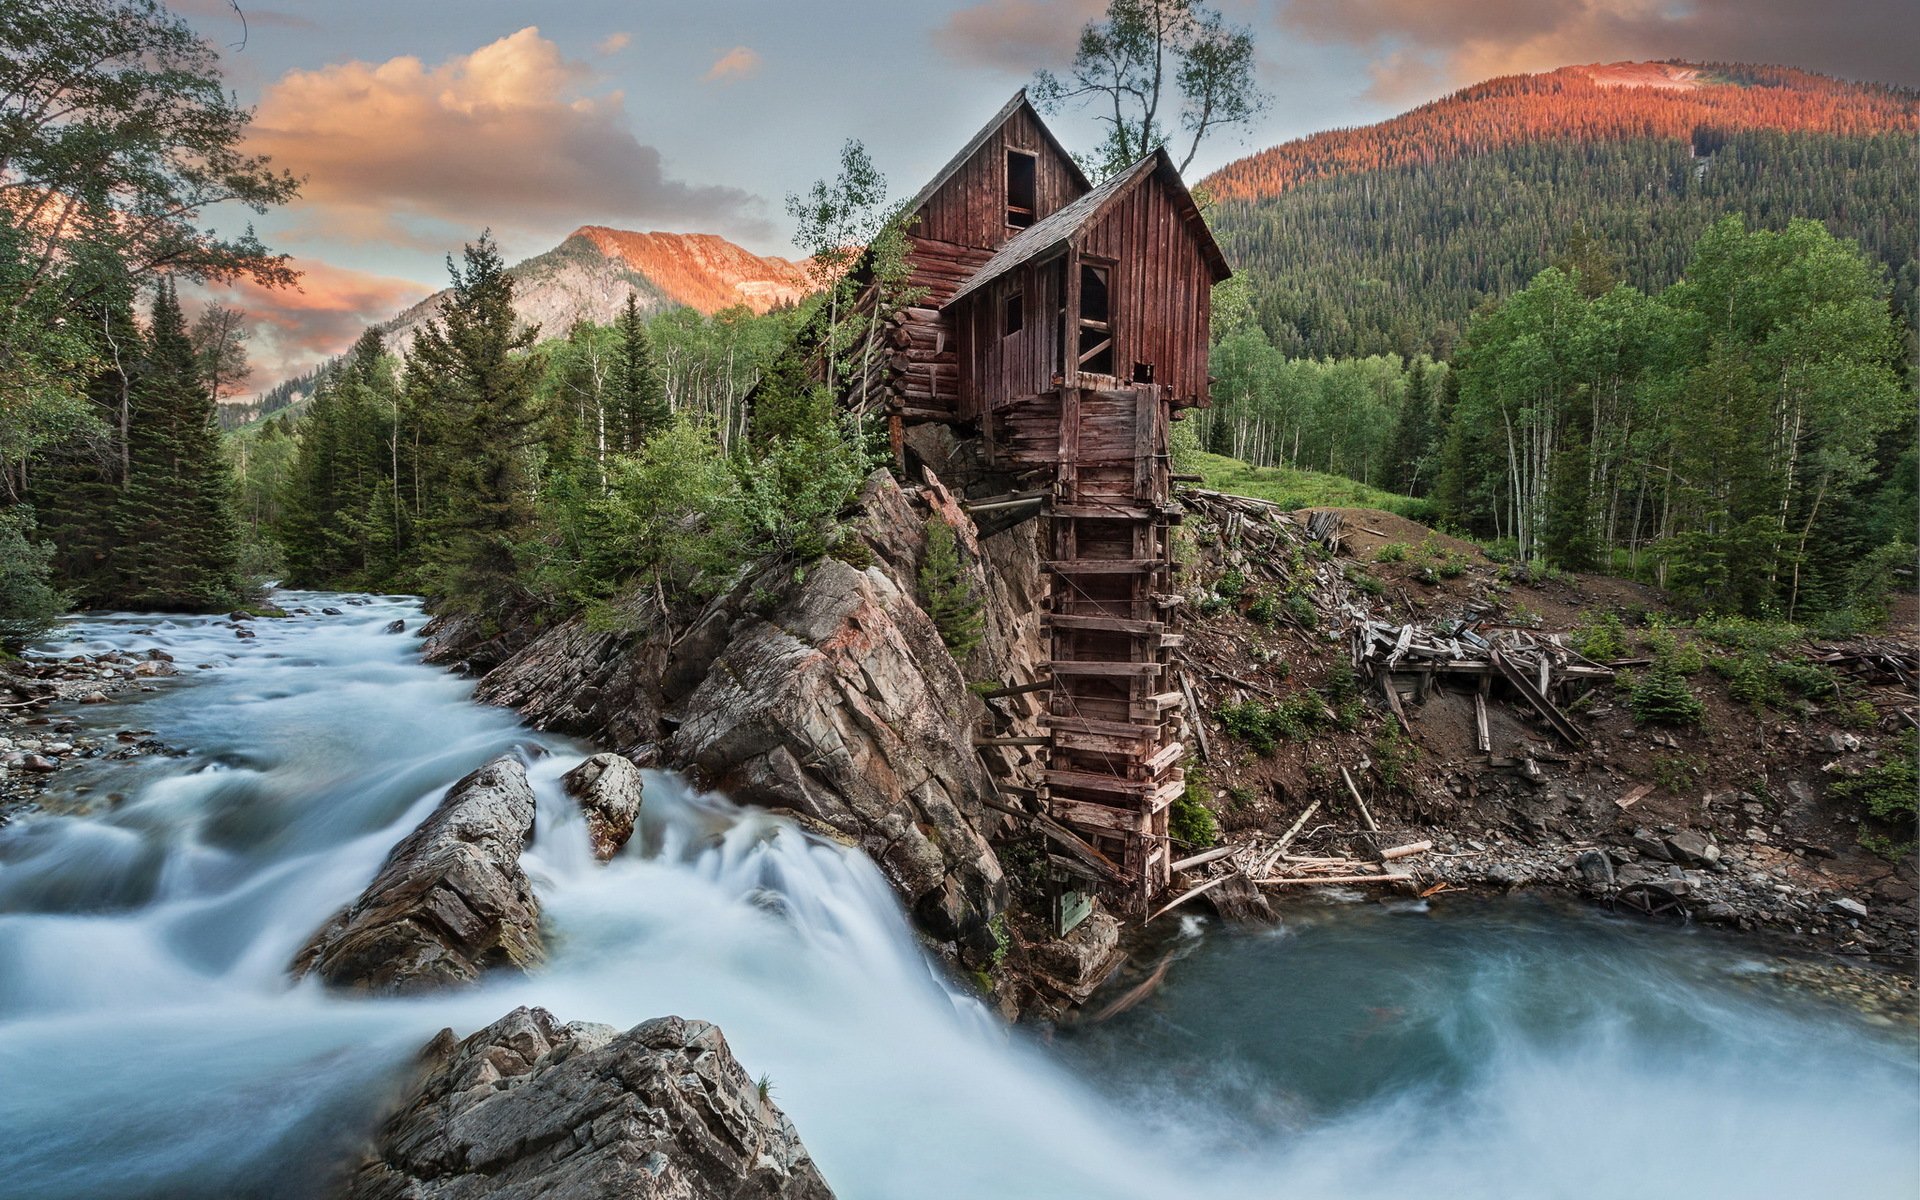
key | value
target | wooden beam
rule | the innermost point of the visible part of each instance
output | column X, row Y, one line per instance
column 1481, row 738
column 1106, row 566
column 1093, row 781
column 1355, row 793
column 1072, row 842
column 1513, row 675
column 1099, row 816
column 1010, row 741
column 1066, row 666
column 1205, row 856
column 1018, row 690
column 1133, row 625
column 1185, row 896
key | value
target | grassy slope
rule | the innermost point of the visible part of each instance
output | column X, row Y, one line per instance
column 1299, row 489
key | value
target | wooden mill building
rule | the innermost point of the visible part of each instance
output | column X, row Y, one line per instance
column 1067, row 325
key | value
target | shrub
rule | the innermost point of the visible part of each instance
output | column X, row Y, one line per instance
column 1300, row 608
column 1392, row 552
column 1252, row 722
column 1660, row 696
column 1190, row 820
column 1888, row 793
column 948, row 591
column 1231, row 584
column 1265, row 609
column 1684, row 657
column 1745, row 633
column 1808, row 679
column 1395, row 755
column 1602, row 638
column 1749, row 678
column 1368, row 584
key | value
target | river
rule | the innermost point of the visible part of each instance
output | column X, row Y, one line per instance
column 150, row 1044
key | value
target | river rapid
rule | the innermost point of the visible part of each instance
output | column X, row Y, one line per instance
column 151, row 1045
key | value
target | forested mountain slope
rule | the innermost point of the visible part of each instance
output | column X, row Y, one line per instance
column 1386, row 238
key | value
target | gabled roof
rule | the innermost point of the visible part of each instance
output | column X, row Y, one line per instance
column 1042, row 238
column 979, row 139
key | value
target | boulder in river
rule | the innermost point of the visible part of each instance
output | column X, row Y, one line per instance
column 396, row 626
column 529, row 1106
column 608, row 789
column 450, row 901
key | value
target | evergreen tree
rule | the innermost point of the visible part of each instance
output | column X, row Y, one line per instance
column 178, row 540
column 1413, row 435
column 478, row 383
column 638, row 405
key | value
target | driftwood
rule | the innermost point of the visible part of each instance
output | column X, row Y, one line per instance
column 1406, row 851
column 1135, row 994
column 1355, row 793
column 1285, row 880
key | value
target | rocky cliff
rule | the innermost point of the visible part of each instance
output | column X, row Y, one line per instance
column 825, row 691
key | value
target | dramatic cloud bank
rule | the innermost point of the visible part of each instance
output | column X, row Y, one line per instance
column 293, row 329
column 508, row 136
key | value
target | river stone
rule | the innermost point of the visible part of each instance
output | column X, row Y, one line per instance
column 608, row 789
column 531, row 1107
column 1692, row 849
column 1239, row 901
column 396, row 626
column 450, row 901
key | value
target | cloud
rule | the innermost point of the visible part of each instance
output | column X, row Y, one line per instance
column 614, row 43
column 293, row 329
column 1016, row 35
column 511, row 136
column 737, row 63
column 1423, row 46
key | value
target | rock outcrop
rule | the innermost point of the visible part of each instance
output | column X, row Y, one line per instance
column 608, row 789
column 450, row 901
column 831, row 695
column 532, row 1107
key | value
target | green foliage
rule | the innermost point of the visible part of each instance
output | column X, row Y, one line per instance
column 948, row 591
column 1368, row 584
column 29, row 605
column 1189, row 819
column 1646, row 431
column 1684, row 657
column 178, row 541
column 1660, row 696
column 1127, row 62
column 1601, row 638
column 1395, row 756
column 1261, row 725
column 1746, row 633
column 1749, row 678
column 1392, row 552
column 1888, row 792
column 1331, row 261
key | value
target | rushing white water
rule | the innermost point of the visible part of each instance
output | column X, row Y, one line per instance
column 150, row 1044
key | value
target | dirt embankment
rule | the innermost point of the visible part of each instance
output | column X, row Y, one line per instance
column 1732, row 820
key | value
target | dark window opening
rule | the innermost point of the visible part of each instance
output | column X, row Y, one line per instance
column 1022, row 188
column 1143, row 372
column 1096, row 323
column 1015, row 316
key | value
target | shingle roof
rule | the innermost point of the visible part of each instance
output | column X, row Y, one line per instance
column 1061, row 226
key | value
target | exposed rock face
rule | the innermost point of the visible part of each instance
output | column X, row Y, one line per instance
column 531, row 1107
column 608, row 789
column 838, row 700
column 450, row 901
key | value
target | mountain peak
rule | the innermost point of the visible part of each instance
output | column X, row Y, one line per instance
column 701, row 270
column 1671, row 100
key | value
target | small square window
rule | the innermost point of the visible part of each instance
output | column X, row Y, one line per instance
column 1014, row 317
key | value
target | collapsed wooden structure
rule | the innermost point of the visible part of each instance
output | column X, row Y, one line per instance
column 1066, row 325
column 1406, row 661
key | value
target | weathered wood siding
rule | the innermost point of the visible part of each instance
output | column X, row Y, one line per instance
column 971, row 208
column 1162, row 293
column 996, row 367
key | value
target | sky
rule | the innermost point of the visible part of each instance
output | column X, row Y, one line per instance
column 415, row 124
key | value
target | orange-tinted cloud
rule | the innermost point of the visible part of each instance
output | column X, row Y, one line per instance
column 1016, row 35
column 614, row 43
column 1423, row 46
column 510, row 136
column 293, row 329
column 737, row 63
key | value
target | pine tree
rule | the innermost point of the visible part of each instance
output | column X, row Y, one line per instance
column 178, row 539
column 637, row 408
column 478, row 384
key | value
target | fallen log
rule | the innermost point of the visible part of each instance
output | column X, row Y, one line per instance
column 1411, row 848
column 1185, row 896
column 1188, row 863
column 1283, row 880
column 1355, row 793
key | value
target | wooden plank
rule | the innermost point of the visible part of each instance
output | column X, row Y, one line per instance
column 1205, row 856
column 1165, row 757
column 1131, row 625
column 1355, row 793
column 1018, row 690
column 1185, row 896
column 1062, row 666
column 1481, row 737
column 1072, row 842
column 1091, row 781
column 1198, row 723
column 1103, row 743
column 1094, row 725
column 1513, row 675
column 1106, row 566
column 1411, row 848
column 1010, row 741
column 1284, row 880
column 1097, row 816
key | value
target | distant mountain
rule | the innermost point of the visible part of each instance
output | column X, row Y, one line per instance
column 1387, row 237
column 590, row 275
